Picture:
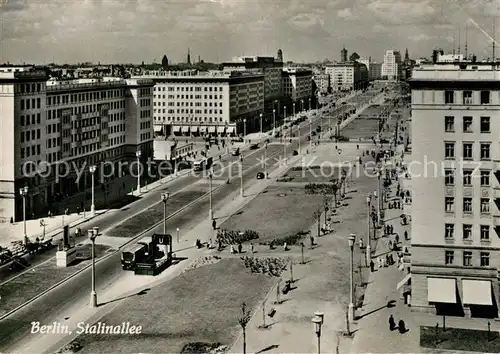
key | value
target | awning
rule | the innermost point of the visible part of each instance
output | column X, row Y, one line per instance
column 442, row 290
column 195, row 129
column 177, row 128
column 403, row 281
column 157, row 128
column 211, row 129
column 203, row 129
column 230, row 130
column 185, row 129
column 477, row 292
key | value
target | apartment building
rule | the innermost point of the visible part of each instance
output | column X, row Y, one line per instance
column 66, row 126
column 214, row 102
column 392, row 66
column 455, row 247
column 297, row 83
column 347, row 76
column 322, row 81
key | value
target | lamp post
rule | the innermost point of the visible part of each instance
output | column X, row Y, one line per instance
column 260, row 116
column 298, row 135
column 302, row 105
column 92, row 170
column 210, row 211
column 368, row 238
column 243, row 321
column 293, row 109
column 138, row 154
column 274, row 119
column 265, row 159
column 244, row 128
column 177, row 231
column 309, row 103
column 352, row 238
column 241, row 176
column 164, row 199
column 93, row 295
column 43, row 224
column 310, row 133
column 24, row 193
column 379, row 195
column 318, row 322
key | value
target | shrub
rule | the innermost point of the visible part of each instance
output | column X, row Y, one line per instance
column 321, row 188
column 199, row 348
column 233, row 237
column 273, row 266
column 285, row 179
column 291, row 239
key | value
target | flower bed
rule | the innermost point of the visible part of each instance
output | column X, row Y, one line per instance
column 234, row 237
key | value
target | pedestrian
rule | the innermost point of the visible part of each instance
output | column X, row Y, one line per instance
column 361, row 243
column 219, row 247
column 396, row 238
column 384, row 262
column 251, row 248
column 392, row 323
column 285, row 247
column 372, row 266
column 406, row 234
column 401, row 326
column 390, row 245
column 214, row 224
column 240, row 248
column 11, row 220
column 379, row 262
column 232, row 249
column 78, row 210
column 312, row 241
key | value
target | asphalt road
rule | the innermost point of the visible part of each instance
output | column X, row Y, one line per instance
column 53, row 304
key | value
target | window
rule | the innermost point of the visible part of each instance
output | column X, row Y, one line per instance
column 485, row 97
column 449, row 150
column 449, row 231
column 467, row 151
column 467, row 97
column 449, row 177
column 467, row 205
column 467, row 177
column 485, row 124
column 485, row 178
column 485, row 151
column 485, row 259
column 467, row 124
column 485, row 233
column 467, row 232
column 449, row 97
column 449, row 257
column 467, row 258
column 485, row 206
column 449, row 124
column 449, row 204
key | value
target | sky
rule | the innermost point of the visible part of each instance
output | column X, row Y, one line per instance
column 132, row 31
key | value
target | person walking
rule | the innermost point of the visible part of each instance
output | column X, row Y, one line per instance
column 214, row 224
column 240, row 248
column 392, row 323
column 396, row 238
column 401, row 326
column 372, row 266
column 251, row 248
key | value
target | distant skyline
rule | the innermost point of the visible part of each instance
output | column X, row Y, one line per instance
column 132, row 31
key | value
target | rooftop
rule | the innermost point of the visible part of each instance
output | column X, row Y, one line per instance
column 463, row 71
column 194, row 74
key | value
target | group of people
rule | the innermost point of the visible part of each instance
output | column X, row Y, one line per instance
column 401, row 327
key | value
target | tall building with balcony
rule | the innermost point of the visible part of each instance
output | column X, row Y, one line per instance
column 347, row 76
column 455, row 246
column 392, row 65
column 297, row 83
column 49, row 124
column 209, row 102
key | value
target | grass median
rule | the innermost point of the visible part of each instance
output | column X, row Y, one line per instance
column 37, row 280
column 151, row 216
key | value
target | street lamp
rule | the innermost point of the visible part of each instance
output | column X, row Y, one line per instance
column 24, row 193
column 138, row 154
column 164, row 199
column 274, row 120
column 260, row 116
column 310, row 133
column 92, row 170
column 244, row 128
column 210, row 211
column 379, row 201
column 302, row 104
column 309, row 103
column 368, row 238
column 265, row 159
column 294, row 109
column 318, row 322
column 93, row 295
column 352, row 238
column 241, row 176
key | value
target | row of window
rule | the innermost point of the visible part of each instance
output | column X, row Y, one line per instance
column 54, row 142
column 467, row 97
column 189, row 111
column 189, row 89
column 196, row 97
column 467, row 177
column 467, row 258
column 29, row 88
column 30, row 151
column 84, row 97
column 145, row 125
column 467, row 124
column 35, row 119
column 467, row 229
column 188, row 104
column 145, row 136
column 467, row 205
column 189, row 119
column 30, row 135
column 467, row 150
column 33, row 103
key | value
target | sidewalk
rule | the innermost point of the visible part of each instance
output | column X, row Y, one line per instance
column 129, row 284
column 372, row 334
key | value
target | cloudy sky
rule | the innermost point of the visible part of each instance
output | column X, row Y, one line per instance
column 307, row 30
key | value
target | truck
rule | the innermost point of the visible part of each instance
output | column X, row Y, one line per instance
column 202, row 164
column 132, row 255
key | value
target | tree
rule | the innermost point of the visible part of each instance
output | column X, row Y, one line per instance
column 354, row 56
column 335, row 190
column 243, row 321
column 317, row 218
column 327, row 200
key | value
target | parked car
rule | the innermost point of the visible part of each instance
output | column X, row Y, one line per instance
column 295, row 153
column 260, row 175
column 254, row 146
column 235, row 152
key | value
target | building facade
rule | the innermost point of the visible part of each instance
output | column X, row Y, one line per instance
column 391, row 68
column 297, row 83
column 322, row 81
column 199, row 103
column 455, row 247
column 53, row 131
column 347, row 76
column 375, row 71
